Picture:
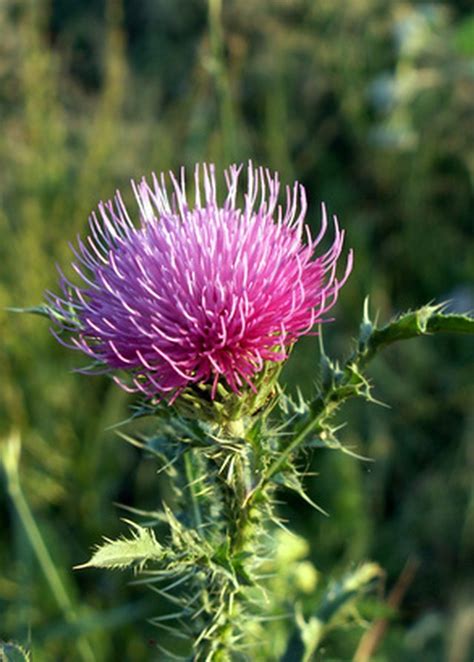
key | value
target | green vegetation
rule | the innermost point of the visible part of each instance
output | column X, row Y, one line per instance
column 369, row 104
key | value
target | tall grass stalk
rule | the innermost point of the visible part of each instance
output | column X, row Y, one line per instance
column 10, row 460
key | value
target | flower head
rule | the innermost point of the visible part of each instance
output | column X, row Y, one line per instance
column 198, row 293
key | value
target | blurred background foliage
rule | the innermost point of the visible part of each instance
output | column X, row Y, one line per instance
column 370, row 104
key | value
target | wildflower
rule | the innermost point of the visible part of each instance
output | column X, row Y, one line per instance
column 198, row 294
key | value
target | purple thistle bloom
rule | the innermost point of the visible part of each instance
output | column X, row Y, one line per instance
column 198, row 293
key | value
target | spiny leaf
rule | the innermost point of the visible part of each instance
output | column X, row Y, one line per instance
column 125, row 552
column 42, row 310
column 338, row 384
column 308, row 634
column 10, row 652
column 341, row 592
column 291, row 481
column 451, row 323
column 424, row 320
column 327, row 439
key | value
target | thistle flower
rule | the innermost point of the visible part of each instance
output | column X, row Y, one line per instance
column 198, row 294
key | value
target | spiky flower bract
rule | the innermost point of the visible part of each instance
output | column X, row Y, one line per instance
column 198, row 293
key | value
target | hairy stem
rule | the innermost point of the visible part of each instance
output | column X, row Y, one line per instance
column 340, row 384
column 239, row 533
column 191, row 480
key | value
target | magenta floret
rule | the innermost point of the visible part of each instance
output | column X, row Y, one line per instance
column 198, row 293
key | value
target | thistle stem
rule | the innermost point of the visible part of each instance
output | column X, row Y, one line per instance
column 188, row 467
column 350, row 381
column 239, row 533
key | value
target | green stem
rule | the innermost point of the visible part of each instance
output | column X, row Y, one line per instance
column 191, row 479
column 349, row 381
column 239, row 533
column 314, row 425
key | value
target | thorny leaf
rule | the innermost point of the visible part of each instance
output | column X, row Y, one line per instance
column 125, row 552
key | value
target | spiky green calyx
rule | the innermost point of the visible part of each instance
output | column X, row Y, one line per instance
column 227, row 406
